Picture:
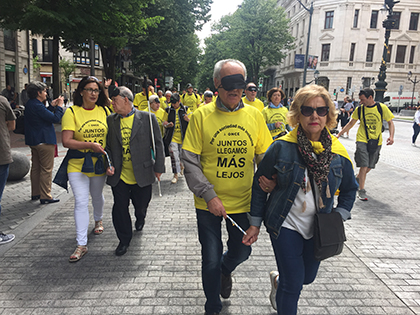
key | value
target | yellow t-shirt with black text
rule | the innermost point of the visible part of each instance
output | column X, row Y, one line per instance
column 192, row 101
column 88, row 125
column 373, row 122
column 273, row 115
column 162, row 100
column 127, row 172
column 177, row 136
column 227, row 143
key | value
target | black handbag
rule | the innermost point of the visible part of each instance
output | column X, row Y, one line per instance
column 329, row 235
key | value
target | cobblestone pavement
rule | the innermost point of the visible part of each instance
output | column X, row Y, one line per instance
column 377, row 273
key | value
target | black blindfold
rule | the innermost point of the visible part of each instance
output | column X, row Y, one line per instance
column 232, row 82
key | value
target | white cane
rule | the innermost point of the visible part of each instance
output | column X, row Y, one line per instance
column 151, row 130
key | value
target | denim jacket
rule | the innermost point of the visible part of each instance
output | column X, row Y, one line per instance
column 283, row 158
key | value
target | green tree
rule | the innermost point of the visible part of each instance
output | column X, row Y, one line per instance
column 67, row 67
column 257, row 33
column 172, row 48
column 107, row 22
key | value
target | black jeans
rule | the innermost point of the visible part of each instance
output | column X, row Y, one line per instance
column 140, row 196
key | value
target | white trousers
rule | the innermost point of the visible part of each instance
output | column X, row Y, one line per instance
column 81, row 185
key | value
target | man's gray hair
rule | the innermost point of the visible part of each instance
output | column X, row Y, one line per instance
column 168, row 92
column 218, row 67
column 126, row 92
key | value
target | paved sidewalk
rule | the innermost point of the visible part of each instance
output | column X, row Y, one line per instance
column 378, row 272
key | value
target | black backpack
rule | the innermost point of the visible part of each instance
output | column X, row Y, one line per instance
column 379, row 107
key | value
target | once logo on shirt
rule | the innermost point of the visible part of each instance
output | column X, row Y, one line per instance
column 372, row 122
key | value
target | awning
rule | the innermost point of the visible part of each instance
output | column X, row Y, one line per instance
column 46, row 74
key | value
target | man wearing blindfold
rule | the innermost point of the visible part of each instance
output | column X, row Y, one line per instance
column 250, row 97
column 220, row 144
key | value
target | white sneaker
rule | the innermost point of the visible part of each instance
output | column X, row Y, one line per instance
column 413, row 144
column 6, row 238
column 180, row 175
column 175, row 179
column 274, row 275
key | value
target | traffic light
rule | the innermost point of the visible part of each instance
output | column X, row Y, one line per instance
column 335, row 92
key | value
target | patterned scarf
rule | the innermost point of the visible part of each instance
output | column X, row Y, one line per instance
column 319, row 166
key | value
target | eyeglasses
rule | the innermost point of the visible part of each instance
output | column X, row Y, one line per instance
column 252, row 89
column 308, row 111
column 92, row 91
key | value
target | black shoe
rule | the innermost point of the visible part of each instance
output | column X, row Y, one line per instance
column 226, row 287
column 139, row 225
column 121, row 249
column 52, row 200
column 206, row 313
column 36, row 197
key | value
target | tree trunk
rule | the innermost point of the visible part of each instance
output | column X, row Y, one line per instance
column 108, row 58
column 55, row 67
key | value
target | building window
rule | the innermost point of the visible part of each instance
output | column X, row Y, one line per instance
column 413, row 49
column 47, row 49
column 374, row 19
column 388, row 57
column 414, row 22
column 352, row 49
column 348, row 85
column 397, row 17
column 325, row 56
column 329, row 18
column 356, row 18
column 303, row 27
column 34, row 47
column 400, row 54
column 369, row 52
column 9, row 40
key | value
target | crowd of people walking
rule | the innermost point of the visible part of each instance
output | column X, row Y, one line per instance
column 216, row 140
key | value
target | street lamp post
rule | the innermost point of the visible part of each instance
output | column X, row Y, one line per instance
column 388, row 24
column 415, row 81
column 305, row 67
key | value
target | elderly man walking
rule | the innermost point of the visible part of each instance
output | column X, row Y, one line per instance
column 129, row 142
column 221, row 142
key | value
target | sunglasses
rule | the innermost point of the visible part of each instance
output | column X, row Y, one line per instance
column 252, row 89
column 308, row 111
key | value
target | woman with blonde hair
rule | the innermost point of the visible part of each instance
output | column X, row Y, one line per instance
column 310, row 166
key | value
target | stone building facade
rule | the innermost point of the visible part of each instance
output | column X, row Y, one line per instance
column 347, row 36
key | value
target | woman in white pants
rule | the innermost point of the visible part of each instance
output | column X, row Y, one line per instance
column 84, row 130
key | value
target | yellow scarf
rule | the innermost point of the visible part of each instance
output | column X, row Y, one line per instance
column 336, row 146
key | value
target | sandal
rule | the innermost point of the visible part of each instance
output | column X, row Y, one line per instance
column 99, row 229
column 78, row 253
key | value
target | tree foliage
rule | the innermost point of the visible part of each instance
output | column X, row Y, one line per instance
column 107, row 22
column 172, row 48
column 257, row 34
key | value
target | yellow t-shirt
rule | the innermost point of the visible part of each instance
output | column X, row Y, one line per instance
column 256, row 103
column 88, row 126
column 192, row 101
column 227, row 143
column 373, row 122
column 272, row 115
column 162, row 100
column 127, row 173
column 161, row 116
column 140, row 100
column 177, row 136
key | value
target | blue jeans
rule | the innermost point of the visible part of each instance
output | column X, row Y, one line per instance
column 214, row 261
column 4, row 173
column 296, row 265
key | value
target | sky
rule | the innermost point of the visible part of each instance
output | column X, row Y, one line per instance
column 218, row 9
